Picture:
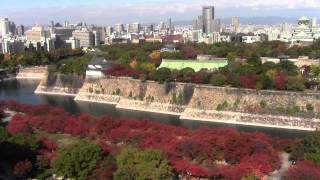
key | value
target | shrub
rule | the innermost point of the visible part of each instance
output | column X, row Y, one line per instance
column 78, row 161
column 309, row 107
column 148, row 164
column 218, row 80
column 163, row 75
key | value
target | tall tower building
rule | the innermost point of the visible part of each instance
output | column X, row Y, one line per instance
column 170, row 26
column 119, row 28
column 314, row 22
column 235, row 24
column 4, row 27
column 208, row 17
column 216, row 25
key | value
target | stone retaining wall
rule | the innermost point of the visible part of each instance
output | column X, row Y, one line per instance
column 37, row 72
column 59, row 84
column 201, row 102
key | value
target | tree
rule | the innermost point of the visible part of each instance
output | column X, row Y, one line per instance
column 23, row 168
column 163, row 74
column 218, row 80
column 303, row 170
column 187, row 74
column 148, row 164
column 231, row 56
column 155, row 57
column 78, row 161
column 311, row 147
column 295, row 84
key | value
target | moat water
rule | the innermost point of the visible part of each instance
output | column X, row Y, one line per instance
column 23, row 92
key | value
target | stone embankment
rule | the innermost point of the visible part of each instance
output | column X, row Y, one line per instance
column 290, row 110
column 59, row 84
column 37, row 72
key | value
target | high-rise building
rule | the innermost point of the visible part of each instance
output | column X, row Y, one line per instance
column 73, row 43
column 66, row 24
column 20, row 30
column 235, row 24
column 12, row 28
column 37, row 33
column 286, row 27
column 12, row 46
column 85, row 37
column 4, row 27
column 135, row 27
column 109, row 30
column 119, row 28
column 314, row 22
column 170, row 26
column 97, row 37
column 216, row 25
column 208, row 17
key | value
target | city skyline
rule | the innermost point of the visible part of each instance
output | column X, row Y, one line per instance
column 104, row 12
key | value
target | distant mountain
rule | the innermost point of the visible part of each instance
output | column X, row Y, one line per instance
column 250, row 20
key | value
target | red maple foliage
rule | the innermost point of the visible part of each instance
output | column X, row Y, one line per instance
column 249, row 81
column 22, row 168
column 119, row 71
column 303, row 170
column 280, row 80
column 19, row 124
column 191, row 152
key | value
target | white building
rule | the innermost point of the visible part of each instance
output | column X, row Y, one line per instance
column 251, row 39
column 73, row 43
column 11, row 46
column 96, row 67
column 85, row 37
column 4, row 27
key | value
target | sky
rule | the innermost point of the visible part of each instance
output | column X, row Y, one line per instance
column 108, row 12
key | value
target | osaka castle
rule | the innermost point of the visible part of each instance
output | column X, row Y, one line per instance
column 306, row 31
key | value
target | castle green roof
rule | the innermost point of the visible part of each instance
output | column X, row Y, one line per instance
column 196, row 65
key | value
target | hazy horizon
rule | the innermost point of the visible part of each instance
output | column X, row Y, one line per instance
column 106, row 12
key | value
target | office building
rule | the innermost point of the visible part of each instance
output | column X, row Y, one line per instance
column 4, row 27
column 85, row 37
column 36, row 34
column 12, row 28
column 73, row 43
column 235, row 24
column 314, row 23
column 135, row 27
column 208, row 17
column 109, row 30
column 216, row 25
column 20, row 30
column 119, row 28
column 12, row 46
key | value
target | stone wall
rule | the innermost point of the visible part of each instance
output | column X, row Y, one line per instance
column 37, row 72
column 207, row 103
column 60, row 84
column 128, row 93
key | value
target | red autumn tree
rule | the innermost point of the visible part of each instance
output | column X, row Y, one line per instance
column 280, row 80
column 303, row 170
column 22, row 168
column 19, row 124
column 249, row 81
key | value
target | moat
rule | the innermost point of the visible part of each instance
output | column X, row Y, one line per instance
column 23, row 92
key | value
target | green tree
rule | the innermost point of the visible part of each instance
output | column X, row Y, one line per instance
column 140, row 165
column 78, row 161
column 311, row 147
column 163, row 74
column 218, row 80
column 232, row 56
